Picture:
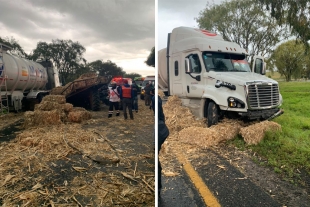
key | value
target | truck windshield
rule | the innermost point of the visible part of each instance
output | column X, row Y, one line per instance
column 225, row 62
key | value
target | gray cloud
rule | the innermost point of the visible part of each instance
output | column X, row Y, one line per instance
column 115, row 29
column 176, row 13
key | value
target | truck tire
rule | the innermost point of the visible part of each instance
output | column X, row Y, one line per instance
column 94, row 100
column 213, row 114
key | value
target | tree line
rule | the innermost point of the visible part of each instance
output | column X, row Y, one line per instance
column 278, row 30
column 67, row 57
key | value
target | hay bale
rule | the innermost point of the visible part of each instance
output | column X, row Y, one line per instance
column 67, row 107
column 48, row 106
column 60, row 99
column 41, row 118
column 253, row 134
column 47, row 117
column 79, row 116
column 206, row 137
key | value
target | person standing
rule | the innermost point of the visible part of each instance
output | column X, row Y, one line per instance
column 114, row 99
column 147, row 94
column 135, row 89
column 152, row 95
column 126, row 96
column 163, row 133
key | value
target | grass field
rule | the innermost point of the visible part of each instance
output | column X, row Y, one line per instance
column 288, row 151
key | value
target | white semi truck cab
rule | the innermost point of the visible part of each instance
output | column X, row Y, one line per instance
column 214, row 79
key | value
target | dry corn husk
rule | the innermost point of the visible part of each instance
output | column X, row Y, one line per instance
column 255, row 133
column 79, row 116
column 60, row 99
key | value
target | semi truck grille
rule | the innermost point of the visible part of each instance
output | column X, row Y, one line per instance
column 263, row 95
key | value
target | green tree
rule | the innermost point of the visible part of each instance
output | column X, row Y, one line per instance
column 242, row 22
column 132, row 75
column 293, row 13
column 306, row 71
column 65, row 55
column 150, row 61
column 290, row 59
column 107, row 68
column 16, row 50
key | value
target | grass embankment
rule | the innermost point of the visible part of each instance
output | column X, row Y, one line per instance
column 288, row 151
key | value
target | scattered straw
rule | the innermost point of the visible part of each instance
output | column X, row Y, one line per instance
column 188, row 135
column 253, row 134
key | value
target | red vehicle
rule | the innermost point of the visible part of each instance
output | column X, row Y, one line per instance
column 120, row 80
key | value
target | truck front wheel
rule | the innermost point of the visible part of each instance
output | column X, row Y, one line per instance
column 213, row 114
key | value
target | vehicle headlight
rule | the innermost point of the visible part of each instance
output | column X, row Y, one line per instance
column 235, row 103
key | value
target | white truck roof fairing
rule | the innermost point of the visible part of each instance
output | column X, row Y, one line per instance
column 186, row 38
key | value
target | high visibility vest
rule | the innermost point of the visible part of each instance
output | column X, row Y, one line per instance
column 126, row 92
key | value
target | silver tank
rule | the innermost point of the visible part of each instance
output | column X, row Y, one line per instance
column 23, row 74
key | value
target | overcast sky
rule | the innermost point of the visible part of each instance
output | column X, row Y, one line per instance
column 122, row 31
column 176, row 13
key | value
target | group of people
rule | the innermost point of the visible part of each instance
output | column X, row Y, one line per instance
column 125, row 94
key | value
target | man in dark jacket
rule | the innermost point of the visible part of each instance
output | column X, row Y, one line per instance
column 147, row 94
column 126, row 95
column 135, row 89
column 163, row 133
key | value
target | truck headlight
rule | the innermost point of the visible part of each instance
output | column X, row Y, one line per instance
column 235, row 103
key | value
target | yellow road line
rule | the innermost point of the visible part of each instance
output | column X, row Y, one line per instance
column 203, row 190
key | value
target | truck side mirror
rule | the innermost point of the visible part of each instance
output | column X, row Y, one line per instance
column 259, row 66
column 187, row 68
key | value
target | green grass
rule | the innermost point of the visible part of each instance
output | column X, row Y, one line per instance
column 288, row 151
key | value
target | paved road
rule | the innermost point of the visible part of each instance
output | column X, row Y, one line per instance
column 216, row 183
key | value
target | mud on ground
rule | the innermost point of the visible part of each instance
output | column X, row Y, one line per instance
column 39, row 168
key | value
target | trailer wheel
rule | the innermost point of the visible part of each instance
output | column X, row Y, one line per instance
column 94, row 100
column 213, row 114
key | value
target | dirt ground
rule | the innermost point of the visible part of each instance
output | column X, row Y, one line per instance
column 39, row 167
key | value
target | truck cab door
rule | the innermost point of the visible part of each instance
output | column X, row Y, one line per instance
column 259, row 66
column 193, row 81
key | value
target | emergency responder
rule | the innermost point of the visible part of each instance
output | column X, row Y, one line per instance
column 126, row 96
column 114, row 99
